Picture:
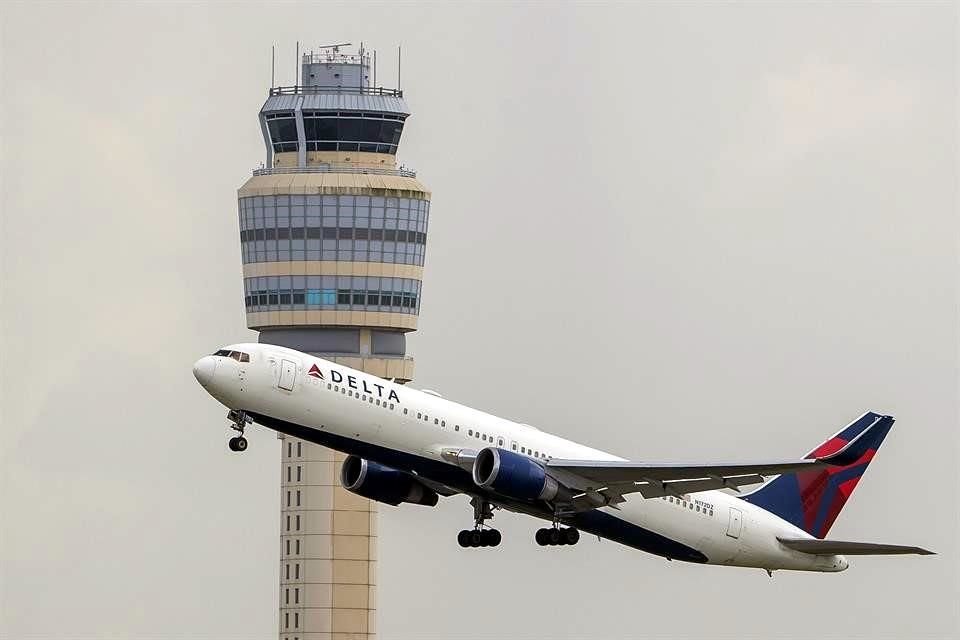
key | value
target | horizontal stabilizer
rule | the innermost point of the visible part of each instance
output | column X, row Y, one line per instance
column 834, row 547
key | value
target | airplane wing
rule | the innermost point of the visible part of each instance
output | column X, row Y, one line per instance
column 833, row 547
column 605, row 482
column 653, row 480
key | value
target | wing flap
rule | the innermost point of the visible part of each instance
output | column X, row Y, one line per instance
column 627, row 477
column 835, row 547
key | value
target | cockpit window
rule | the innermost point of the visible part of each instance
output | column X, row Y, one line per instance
column 239, row 356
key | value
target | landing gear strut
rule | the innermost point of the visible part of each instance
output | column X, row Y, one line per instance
column 478, row 536
column 556, row 536
column 238, row 422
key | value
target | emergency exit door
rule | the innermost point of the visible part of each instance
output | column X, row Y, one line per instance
column 288, row 375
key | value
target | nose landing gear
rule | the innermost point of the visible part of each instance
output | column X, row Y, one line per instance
column 238, row 422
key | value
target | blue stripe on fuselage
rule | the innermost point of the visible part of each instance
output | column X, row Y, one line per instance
column 596, row 522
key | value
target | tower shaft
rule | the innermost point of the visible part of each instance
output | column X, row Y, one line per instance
column 333, row 239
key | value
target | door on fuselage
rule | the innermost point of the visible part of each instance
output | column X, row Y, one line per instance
column 288, row 375
column 735, row 525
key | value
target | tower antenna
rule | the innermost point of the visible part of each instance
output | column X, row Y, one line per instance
column 336, row 47
column 296, row 77
column 399, row 55
column 273, row 64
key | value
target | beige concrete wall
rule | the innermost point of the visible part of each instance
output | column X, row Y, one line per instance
column 332, row 268
column 329, row 554
column 334, row 183
column 331, row 318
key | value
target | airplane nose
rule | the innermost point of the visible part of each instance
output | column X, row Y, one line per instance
column 204, row 368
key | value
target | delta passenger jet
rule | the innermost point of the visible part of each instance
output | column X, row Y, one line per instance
column 409, row 446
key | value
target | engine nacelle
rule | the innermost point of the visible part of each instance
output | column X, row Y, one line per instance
column 513, row 475
column 383, row 484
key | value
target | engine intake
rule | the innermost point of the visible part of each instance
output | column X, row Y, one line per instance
column 513, row 475
column 383, row 484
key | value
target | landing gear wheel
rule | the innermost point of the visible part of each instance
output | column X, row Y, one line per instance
column 241, row 444
column 463, row 538
column 494, row 537
column 571, row 536
column 476, row 538
column 232, row 444
column 554, row 536
column 541, row 537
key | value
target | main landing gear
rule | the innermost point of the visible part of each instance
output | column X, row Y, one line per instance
column 556, row 536
column 238, row 422
column 478, row 536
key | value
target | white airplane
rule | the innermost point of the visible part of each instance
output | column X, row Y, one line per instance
column 412, row 446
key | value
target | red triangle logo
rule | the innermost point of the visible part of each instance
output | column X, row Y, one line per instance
column 315, row 372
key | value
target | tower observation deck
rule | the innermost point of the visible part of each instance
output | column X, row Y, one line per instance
column 333, row 238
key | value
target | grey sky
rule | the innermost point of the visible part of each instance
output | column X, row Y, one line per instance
column 669, row 231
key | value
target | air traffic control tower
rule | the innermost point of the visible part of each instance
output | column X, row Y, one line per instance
column 333, row 236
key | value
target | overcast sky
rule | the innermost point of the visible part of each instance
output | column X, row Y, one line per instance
column 670, row 231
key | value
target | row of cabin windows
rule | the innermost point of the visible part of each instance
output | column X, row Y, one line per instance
column 437, row 421
column 297, row 522
column 296, row 596
column 688, row 505
column 288, row 496
column 362, row 397
column 481, row 436
column 296, row 547
column 290, row 473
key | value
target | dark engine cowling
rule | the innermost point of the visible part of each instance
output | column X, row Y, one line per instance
column 383, row 484
column 513, row 475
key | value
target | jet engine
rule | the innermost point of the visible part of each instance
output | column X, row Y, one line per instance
column 383, row 484
column 513, row 475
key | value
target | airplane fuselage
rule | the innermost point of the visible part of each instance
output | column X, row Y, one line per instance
column 421, row 433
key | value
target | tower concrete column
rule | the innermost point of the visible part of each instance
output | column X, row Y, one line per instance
column 333, row 238
column 328, row 547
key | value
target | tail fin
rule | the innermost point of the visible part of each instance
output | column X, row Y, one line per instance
column 812, row 500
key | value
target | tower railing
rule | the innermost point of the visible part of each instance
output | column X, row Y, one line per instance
column 300, row 89
column 335, row 167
